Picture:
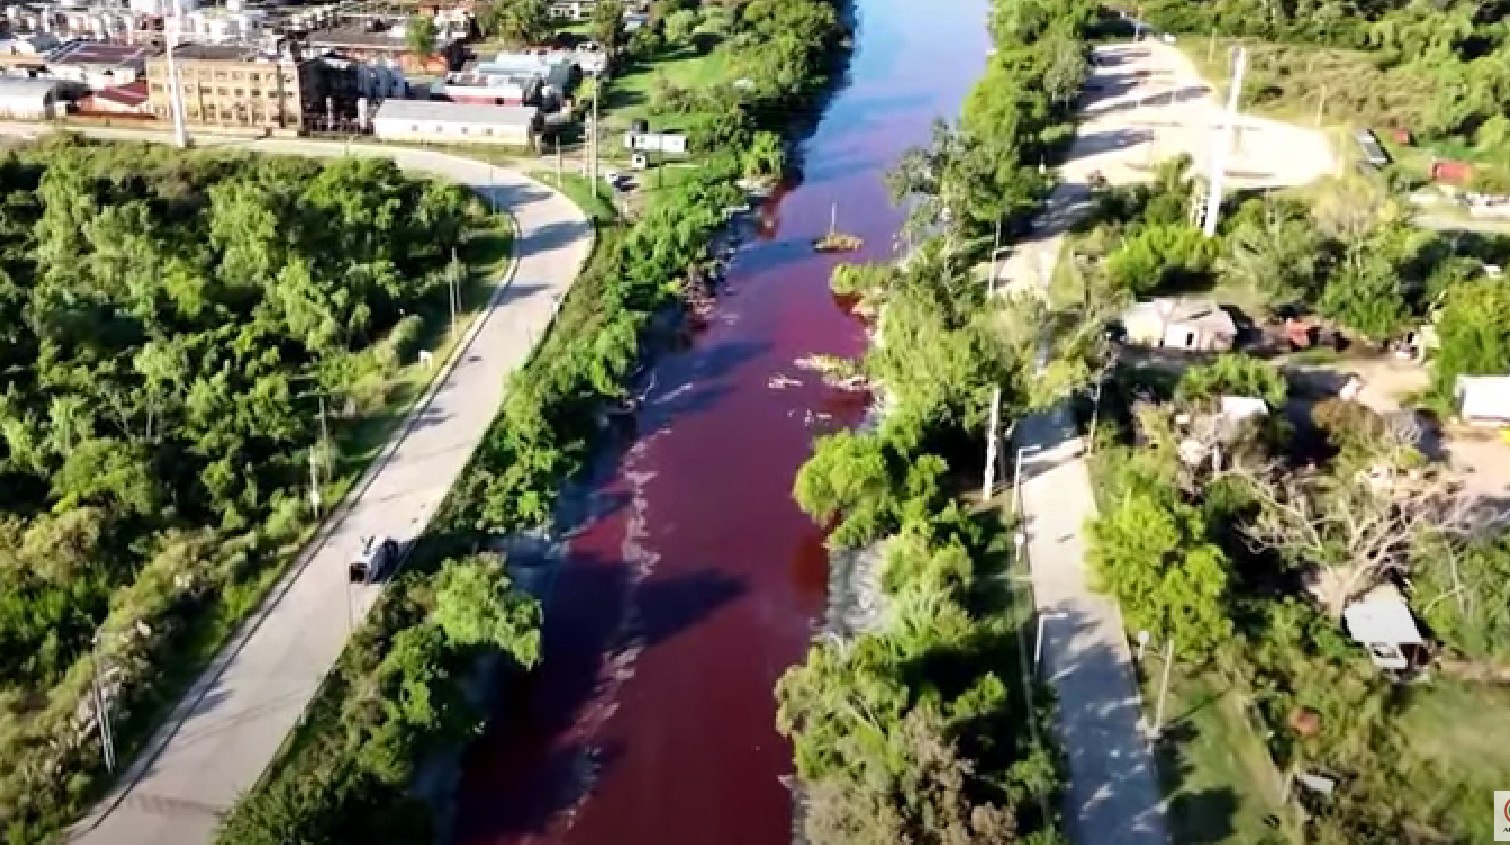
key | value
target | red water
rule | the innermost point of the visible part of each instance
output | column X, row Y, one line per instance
column 697, row 581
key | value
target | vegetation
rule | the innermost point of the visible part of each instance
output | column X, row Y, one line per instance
column 517, row 22
column 345, row 776
column 397, row 694
column 721, row 73
column 907, row 732
column 172, row 326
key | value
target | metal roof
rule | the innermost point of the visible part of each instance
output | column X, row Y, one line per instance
column 22, row 86
column 440, row 110
column 1485, row 397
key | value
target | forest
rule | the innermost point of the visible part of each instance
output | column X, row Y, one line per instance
column 172, row 326
column 925, row 727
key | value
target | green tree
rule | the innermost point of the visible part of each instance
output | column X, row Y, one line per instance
column 419, row 35
column 679, row 25
column 1277, row 254
column 1162, row 257
column 1473, row 332
column 1150, row 552
column 1233, row 374
column 517, row 21
column 607, row 25
column 476, row 605
column 766, row 156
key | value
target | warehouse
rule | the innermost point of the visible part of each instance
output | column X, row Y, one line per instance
column 29, row 99
column 440, row 122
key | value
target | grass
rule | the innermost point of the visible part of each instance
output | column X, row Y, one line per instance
column 632, row 94
column 1453, row 724
column 578, row 189
column 1213, row 768
column 1302, row 82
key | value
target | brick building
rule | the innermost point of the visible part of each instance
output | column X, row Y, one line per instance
column 238, row 87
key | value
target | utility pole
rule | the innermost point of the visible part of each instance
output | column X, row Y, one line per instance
column 560, row 166
column 314, row 482
column 592, row 129
column 990, row 472
column 1321, row 104
column 1224, row 143
column 453, row 286
column 1158, row 713
column 176, row 100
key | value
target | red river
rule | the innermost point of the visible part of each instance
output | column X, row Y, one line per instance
column 695, row 581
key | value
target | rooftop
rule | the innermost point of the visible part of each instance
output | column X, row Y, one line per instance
column 130, row 94
column 440, row 110
column 360, row 35
column 98, row 53
column 1203, row 312
column 24, row 86
column 1485, row 397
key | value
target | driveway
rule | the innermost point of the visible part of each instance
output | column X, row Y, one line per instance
column 224, row 733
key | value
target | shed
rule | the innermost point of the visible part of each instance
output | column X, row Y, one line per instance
column 1381, row 620
column 1198, row 325
column 456, row 123
column 1484, row 400
column 28, row 99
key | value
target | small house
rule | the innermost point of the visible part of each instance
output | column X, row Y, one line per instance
column 1195, row 325
column 434, row 121
column 30, row 99
column 1484, row 400
column 1382, row 622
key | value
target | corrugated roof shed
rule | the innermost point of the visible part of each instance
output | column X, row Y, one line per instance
column 440, row 110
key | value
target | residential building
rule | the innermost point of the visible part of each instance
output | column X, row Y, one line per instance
column 1196, row 325
column 1484, row 400
column 238, row 87
column 434, row 121
column 29, row 99
column 97, row 65
column 572, row 10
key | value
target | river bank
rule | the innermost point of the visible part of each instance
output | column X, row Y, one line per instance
column 695, row 581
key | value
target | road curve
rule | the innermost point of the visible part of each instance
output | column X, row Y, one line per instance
column 225, row 731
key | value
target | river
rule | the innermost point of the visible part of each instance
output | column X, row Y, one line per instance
column 696, row 580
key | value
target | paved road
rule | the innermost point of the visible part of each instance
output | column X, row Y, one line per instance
column 1145, row 104
column 225, row 732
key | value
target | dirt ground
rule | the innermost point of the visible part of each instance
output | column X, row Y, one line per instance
column 1146, row 103
column 1478, row 457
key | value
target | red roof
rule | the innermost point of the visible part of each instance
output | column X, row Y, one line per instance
column 130, row 94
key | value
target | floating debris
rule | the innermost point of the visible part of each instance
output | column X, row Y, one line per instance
column 781, row 381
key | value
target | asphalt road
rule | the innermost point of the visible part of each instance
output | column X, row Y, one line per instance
column 225, row 732
column 1144, row 104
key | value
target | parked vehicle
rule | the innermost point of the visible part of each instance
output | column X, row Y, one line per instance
column 373, row 560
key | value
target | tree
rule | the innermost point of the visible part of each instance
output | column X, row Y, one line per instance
column 1473, row 331
column 1233, row 374
column 517, row 21
column 1366, row 298
column 420, row 35
column 1277, row 254
column 766, row 156
column 607, row 25
column 679, row 25
column 1150, row 552
column 1350, row 533
column 1159, row 257
column 476, row 605
column 1463, row 593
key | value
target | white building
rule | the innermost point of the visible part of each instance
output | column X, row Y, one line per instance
column 1484, row 400
column 440, row 122
column 29, row 99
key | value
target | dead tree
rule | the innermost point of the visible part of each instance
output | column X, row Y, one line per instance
column 1352, row 533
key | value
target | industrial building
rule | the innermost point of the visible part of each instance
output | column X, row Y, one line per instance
column 456, row 123
column 237, row 87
